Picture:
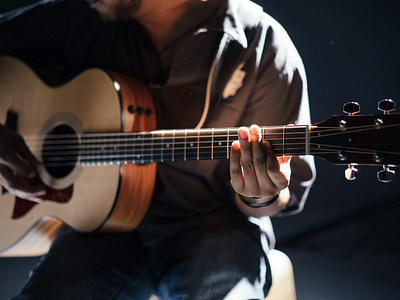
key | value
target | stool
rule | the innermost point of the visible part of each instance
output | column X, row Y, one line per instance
column 283, row 285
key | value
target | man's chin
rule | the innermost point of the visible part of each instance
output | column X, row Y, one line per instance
column 115, row 13
column 112, row 17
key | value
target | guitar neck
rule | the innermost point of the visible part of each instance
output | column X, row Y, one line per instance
column 182, row 145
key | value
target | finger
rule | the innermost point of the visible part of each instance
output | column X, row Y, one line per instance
column 260, row 162
column 273, row 168
column 15, row 154
column 250, row 178
column 17, row 164
column 16, row 186
column 284, row 163
column 26, row 154
column 235, row 168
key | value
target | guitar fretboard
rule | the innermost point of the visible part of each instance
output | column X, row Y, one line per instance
column 181, row 145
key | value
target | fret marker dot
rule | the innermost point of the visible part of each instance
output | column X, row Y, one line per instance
column 167, row 145
column 191, row 144
column 219, row 143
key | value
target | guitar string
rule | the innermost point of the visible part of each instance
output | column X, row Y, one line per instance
column 181, row 133
column 267, row 136
column 221, row 149
column 159, row 157
column 198, row 155
column 94, row 144
column 142, row 155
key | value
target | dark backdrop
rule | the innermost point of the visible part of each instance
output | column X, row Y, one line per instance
column 345, row 244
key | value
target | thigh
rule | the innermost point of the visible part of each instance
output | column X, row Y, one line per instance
column 90, row 266
column 224, row 263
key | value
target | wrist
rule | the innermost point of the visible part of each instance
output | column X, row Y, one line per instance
column 258, row 202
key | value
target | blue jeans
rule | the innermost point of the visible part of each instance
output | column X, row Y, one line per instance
column 224, row 263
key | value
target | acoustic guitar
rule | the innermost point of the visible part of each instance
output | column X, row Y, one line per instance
column 96, row 136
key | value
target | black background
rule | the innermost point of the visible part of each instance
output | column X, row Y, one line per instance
column 346, row 242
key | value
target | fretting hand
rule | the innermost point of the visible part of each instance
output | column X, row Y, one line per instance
column 258, row 176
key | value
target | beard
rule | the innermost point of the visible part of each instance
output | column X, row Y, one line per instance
column 121, row 11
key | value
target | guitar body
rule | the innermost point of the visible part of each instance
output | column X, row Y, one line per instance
column 106, row 198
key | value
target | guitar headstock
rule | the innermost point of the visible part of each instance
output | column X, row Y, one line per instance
column 359, row 140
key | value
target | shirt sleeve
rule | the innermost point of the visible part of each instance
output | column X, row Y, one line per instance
column 280, row 97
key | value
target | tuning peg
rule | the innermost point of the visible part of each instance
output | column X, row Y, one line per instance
column 386, row 175
column 351, row 108
column 351, row 173
column 386, row 105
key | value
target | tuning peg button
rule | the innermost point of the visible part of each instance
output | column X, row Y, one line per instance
column 386, row 105
column 351, row 173
column 351, row 108
column 386, row 175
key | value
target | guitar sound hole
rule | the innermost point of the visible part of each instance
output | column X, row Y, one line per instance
column 60, row 151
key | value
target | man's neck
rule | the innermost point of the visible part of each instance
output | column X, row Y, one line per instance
column 172, row 19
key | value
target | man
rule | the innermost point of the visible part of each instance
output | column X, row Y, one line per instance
column 212, row 63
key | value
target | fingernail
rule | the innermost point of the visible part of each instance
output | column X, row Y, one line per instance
column 243, row 134
column 254, row 130
column 236, row 146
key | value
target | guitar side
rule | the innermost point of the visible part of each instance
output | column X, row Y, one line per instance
column 101, row 195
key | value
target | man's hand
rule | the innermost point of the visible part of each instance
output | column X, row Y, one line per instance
column 257, row 174
column 17, row 165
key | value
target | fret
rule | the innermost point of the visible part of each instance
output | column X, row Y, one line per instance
column 130, row 148
column 198, row 145
column 184, row 155
column 212, row 143
column 85, row 155
column 90, row 147
column 232, row 136
column 296, row 140
column 118, row 154
column 82, row 150
column 124, row 147
column 139, row 155
column 152, row 147
column 275, row 136
column 167, row 147
column 146, row 154
column 205, row 145
column 286, row 140
column 192, row 145
column 179, row 145
column 228, row 143
column 173, row 145
column 105, row 148
column 221, row 144
column 158, row 146
column 137, row 149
